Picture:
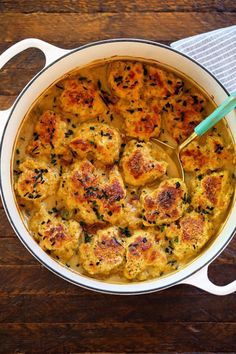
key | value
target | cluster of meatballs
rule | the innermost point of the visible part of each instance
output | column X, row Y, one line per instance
column 114, row 205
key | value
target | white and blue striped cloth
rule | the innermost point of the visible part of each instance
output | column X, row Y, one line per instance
column 216, row 51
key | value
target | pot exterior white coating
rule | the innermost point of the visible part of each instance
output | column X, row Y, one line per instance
column 60, row 61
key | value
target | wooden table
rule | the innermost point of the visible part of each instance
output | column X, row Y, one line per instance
column 40, row 313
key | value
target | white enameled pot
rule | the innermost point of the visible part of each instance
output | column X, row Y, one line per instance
column 60, row 61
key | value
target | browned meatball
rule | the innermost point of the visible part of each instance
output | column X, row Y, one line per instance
column 159, row 84
column 138, row 164
column 165, row 203
column 212, row 193
column 37, row 181
column 187, row 238
column 99, row 140
column 182, row 113
column 55, row 235
column 211, row 155
column 82, row 99
column 97, row 195
column 142, row 120
column 102, row 253
column 126, row 79
column 144, row 256
column 49, row 139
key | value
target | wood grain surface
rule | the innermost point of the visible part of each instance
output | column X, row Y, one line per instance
column 41, row 313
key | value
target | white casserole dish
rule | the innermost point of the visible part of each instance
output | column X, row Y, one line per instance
column 60, row 61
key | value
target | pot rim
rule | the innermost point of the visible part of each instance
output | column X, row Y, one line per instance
column 8, row 213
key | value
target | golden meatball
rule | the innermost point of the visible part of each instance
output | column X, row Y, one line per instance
column 139, row 165
column 37, row 181
column 81, row 98
column 212, row 193
column 141, row 120
column 126, row 79
column 182, row 113
column 49, row 139
column 211, row 155
column 98, row 139
column 165, row 203
column 76, row 186
column 96, row 195
column 187, row 238
column 158, row 83
column 55, row 235
column 103, row 252
column 144, row 256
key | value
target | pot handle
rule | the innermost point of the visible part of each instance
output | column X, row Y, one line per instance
column 200, row 280
column 50, row 51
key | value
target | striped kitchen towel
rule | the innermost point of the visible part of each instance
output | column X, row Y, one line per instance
column 216, row 51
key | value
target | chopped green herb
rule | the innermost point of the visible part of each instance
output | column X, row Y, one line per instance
column 17, row 173
column 69, row 133
column 202, row 211
column 125, row 231
column 219, row 148
column 36, row 136
column 186, row 199
column 172, row 262
column 177, row 185
column 87, row 237
column 99, row 85
column 169, row 250
column 54, row 210
column 118, row 79
column 162, row 227
column 53, row 159
column 130, row 110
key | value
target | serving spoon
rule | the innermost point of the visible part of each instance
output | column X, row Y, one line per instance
column 226, row 106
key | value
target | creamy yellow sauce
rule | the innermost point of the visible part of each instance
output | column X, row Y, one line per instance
column 51, row 100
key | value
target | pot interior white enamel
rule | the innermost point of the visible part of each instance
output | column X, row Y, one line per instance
column 60, row 66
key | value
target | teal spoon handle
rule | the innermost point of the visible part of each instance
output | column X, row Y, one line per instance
column 227, row 106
